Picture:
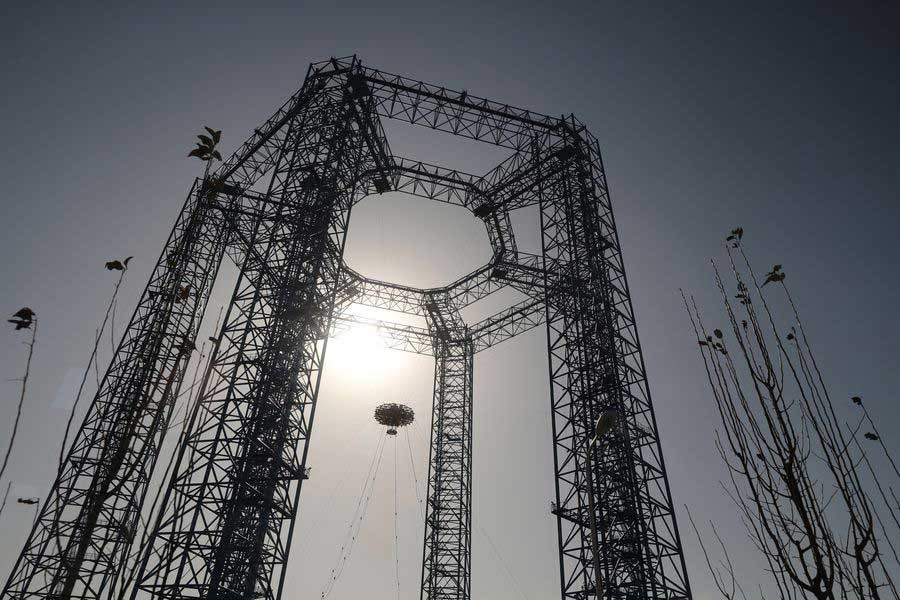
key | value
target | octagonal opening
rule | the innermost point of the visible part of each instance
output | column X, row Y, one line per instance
column 412, row 241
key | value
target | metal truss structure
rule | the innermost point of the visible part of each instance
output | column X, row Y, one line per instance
column 280, row 209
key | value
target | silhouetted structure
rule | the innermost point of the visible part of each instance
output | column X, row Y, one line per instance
column 279, row 208
column 394, row 416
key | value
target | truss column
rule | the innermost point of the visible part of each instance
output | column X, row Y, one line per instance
column 231, row 503
column 595, row 366
column 88, row 521
column 446, row 566
column 90, row 515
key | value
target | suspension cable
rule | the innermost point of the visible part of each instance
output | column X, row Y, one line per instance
column 314, row 524
column 396, row 525
column 412, row 465
column 502, row 561
column 496, row 552
column 359, row 516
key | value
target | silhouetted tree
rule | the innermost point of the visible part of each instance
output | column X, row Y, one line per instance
column 799, row 475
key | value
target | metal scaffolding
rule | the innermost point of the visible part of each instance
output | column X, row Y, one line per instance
column 280, row 209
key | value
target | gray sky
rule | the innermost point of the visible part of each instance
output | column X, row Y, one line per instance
column 710, row 115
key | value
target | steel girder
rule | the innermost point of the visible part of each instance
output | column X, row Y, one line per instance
column 89, row 518
column 446, row 558
column 227, row 518
column 595, row 366
column 446, row 564
column 224, row 531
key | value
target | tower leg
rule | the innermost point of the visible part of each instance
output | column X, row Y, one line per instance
column 596, row 366
column 224, row 531
column 446, row 567
column 89, row 518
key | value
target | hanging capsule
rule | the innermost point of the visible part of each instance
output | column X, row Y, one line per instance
column 394, row 416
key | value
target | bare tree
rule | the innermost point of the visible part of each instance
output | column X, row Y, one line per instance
column 800, row 476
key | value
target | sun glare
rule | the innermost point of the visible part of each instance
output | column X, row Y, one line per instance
column 359, row 350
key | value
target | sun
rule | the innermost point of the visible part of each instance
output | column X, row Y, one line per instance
column 359, row 350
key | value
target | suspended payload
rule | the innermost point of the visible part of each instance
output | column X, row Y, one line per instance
column 394, row 416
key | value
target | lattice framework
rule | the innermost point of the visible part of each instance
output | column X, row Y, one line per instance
column 226, row 526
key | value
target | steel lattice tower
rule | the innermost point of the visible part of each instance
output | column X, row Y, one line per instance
column 280, row 209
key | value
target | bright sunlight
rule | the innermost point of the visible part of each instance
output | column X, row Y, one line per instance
column 359, row 350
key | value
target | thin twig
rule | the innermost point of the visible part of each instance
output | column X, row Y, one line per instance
column 5, row 496
column 12, row 438
column 91, row 360
column 795, row 473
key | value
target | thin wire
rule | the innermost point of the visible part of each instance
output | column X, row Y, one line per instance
column 481, row 529
column 99, row 335
column 503, row 562
column 315, row 523
column 362, row 517
column 396, row 525
column 415, row 477
column 192, row 399
column 357, row 520
column 420, row 434
column 87, row 370
column 379, row 447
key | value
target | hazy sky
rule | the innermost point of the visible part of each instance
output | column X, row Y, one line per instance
column 709, row 115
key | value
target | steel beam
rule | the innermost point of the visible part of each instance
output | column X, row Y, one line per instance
column 595, row 368
column 447, row 562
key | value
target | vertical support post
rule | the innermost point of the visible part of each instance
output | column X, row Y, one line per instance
column 446, row 565
column 584, row 384
column 595, row 366
column 231, row 502
column 87, row 523
column 595, row 538
column 80, row 540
